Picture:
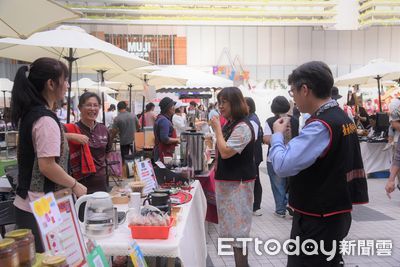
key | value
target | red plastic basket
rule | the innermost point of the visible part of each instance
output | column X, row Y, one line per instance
column 151, row 232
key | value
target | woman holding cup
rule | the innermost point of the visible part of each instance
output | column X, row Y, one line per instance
column 235, row 174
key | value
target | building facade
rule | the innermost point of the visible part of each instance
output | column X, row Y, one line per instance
column 256, row 39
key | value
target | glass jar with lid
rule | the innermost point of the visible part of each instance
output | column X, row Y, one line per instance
column 25, row 242
column 8, row 253
column 55, row 261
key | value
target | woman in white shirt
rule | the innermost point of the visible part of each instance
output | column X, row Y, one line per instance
column 179, row 118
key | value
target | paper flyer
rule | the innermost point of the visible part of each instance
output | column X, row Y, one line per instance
column 46, row 212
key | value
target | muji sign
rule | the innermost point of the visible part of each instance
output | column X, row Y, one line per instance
column 140, row 49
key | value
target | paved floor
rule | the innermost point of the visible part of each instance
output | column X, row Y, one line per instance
column 378, row 220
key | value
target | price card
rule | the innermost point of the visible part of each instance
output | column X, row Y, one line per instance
column 46, row 212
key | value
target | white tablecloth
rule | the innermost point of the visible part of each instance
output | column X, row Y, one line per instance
column 186, row 241
column 374, row 157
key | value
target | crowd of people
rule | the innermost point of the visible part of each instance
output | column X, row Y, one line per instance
column 315, row 168
column 315, row 172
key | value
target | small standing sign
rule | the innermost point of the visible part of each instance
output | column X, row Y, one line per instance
column 146, row 174
column 65, row 237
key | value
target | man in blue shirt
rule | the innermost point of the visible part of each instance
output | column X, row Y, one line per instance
column 324, row 164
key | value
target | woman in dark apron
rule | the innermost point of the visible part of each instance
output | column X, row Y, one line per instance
column 164, row 132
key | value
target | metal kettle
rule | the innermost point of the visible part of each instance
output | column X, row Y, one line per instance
column 99, row 218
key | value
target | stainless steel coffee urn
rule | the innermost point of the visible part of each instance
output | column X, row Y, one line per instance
column 192, row 146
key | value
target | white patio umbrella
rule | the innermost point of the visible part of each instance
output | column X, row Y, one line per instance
column 21, row 18
column 6, row 87
column 197, row 81
column 137, row 78
column 195, row 78
column 92, row 86
column 377, row 70
column 74, row 45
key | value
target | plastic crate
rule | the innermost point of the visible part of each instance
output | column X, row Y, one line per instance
column 151, row 232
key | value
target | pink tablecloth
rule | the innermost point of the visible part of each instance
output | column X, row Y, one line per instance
column 208, row 184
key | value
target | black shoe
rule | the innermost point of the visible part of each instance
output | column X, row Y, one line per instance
column 290, row 211
column 398, row 186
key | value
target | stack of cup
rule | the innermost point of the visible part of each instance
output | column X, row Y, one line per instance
column 134, row 203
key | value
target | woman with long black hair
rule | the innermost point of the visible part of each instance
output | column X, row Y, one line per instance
column 42, row 147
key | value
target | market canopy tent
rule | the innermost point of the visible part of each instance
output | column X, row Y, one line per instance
column 74, row 45
column 21, row 18
column 375, row 71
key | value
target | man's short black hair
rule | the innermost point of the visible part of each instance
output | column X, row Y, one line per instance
column 150, row 106
column 121, row 105
column 316, row 75
column 111, row 108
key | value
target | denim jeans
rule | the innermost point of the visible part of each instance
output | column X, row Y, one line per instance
column 278, row 186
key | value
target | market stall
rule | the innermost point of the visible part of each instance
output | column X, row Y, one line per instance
column 375, row 157
column 186, row 241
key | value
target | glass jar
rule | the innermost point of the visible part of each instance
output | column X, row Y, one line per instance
column 8, row 253
column 25, row 242
column 55, row 261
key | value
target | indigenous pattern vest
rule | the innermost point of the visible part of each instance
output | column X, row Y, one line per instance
column 337, row 179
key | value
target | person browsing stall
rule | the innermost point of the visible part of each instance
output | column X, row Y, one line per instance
column 164, row 132
column 258, row 153
column 42, row 148
column 110, row 115
column 126, row 124
column 324, row 162
column 149, row 116
column 179, row 118
column 62, row 113
column 280, row 106
column 395, row 167
column 236, row 170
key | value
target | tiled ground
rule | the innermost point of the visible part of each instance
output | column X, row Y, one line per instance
column 368, row 223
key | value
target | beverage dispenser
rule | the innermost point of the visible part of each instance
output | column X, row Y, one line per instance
column 192, row 150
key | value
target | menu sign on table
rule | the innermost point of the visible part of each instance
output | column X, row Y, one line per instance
column 46, row 212
column 66, row 239
column 146, row 174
